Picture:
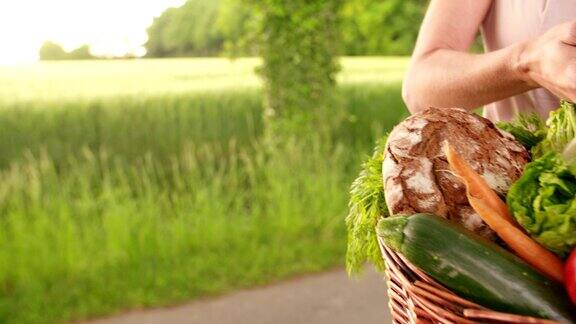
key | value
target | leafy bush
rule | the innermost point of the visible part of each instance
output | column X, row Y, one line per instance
column 381, row 27
column 299, row 42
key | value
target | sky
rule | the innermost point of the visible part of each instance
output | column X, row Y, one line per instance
column 110, row 27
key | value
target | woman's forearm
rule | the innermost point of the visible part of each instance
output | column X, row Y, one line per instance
column 443, row 74
column 448, row 78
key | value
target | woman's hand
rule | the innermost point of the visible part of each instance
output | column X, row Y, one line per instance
column 443, row 74
column 549, row 61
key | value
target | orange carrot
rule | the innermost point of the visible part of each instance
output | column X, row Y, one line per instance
column 495, row 213
column 523, row 245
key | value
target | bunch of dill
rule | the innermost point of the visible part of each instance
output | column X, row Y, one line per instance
column 367, row 205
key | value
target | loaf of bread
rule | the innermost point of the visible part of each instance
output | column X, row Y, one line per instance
column 417, row 177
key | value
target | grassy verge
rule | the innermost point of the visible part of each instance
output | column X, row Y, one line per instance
column 122, row 203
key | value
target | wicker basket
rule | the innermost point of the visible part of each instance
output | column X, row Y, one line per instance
column 417, row 298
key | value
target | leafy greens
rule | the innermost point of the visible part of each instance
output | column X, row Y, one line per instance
column 543, row 200
column 528, row 129
column 561, row 129
column 367, row 205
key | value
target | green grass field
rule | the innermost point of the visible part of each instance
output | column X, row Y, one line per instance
column 101, row 79
column 132, row 184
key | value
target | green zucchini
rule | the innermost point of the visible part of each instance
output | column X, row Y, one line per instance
column 475, row 268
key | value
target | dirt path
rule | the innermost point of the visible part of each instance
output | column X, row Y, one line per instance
column 324, row 298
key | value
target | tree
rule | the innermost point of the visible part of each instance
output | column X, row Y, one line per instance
column 299, row 43
column 52, row 51
column 189, row 30
column 81, row 53
column 238, row 22
column 381, row 27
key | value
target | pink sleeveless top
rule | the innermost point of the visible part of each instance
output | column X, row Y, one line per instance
column 511, row 21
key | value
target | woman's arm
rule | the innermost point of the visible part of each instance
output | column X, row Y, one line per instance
column 443, row 74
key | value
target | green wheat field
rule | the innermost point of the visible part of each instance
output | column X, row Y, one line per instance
column 131, row 184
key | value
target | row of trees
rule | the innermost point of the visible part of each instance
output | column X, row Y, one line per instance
column 230, row 27
column 215, row 27
column 51, row 51
column 54, row 51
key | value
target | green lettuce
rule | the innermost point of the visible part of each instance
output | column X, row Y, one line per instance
column 543, row 200
column 528, row 129
column 561, row 130
column 542, row 137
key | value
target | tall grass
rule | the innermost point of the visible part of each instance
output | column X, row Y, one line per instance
column 104, row 237
column 129, row 126
column 120, row 203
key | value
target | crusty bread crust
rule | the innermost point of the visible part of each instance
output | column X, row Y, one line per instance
column 417, row 177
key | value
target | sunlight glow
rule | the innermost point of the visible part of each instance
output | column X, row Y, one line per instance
column 110, row 27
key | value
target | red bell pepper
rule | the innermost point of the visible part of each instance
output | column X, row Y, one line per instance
column 570, row 275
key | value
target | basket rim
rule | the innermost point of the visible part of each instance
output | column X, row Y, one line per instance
column 415, row 297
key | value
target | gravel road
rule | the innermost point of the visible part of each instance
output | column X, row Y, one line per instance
column 328, row 297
